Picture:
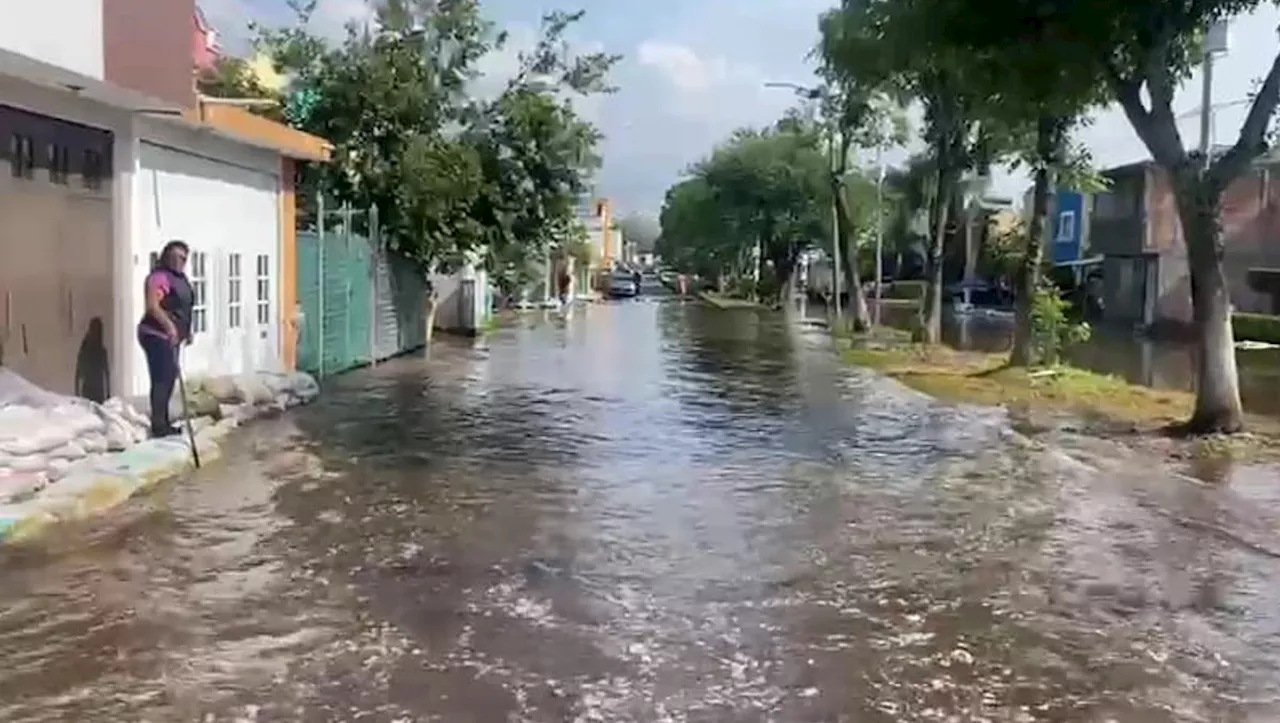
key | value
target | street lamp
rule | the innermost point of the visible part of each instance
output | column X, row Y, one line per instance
column 815, row 94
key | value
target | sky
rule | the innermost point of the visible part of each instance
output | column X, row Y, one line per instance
column 694, row 70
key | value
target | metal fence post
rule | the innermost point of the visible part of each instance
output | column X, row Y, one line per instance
column 375, row 248
column 320, row 241
column 348, row 220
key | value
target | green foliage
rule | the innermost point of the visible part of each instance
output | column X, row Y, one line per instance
column 451, row 175
column 1052, row 330
column 232, row 78
column 581, row 250
column 769, row 186
column 1002, row 253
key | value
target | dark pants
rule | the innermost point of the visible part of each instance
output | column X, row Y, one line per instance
column 162, row 366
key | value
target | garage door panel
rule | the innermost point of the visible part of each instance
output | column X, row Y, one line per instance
column 56, row 278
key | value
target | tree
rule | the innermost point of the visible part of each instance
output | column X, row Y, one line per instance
column 888, row 45
column 452, row 176
column 695, row 237
column 1031, row 80
column 1152, row 45
column 861, row 115
column 765, row 189
column 232, row 77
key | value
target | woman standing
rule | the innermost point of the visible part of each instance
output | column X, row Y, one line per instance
column 166, row 325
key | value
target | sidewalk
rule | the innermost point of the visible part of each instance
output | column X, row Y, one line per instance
column 88, row 458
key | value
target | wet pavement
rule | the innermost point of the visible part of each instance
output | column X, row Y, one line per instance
column 656, row 512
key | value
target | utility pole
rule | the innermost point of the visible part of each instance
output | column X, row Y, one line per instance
column 879, row 272
column 837, row 269
column 1215, row 43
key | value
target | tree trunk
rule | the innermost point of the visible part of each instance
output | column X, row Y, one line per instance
column 931, row 316
column 861, row 316
column 1048, row 143
column 1217, row 406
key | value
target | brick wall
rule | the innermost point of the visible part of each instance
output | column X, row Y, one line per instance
column 1250, row 215
column 147, row 47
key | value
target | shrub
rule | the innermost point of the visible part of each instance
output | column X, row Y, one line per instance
column 1052, row 330
column 1256, row 327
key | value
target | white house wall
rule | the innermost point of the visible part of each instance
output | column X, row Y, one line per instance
column 222, row 198
column 65, row 33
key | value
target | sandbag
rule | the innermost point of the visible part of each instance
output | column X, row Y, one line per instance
column 26, row 464
column 199, row 401
column 72, row 450
column 27, row 431
column 253, row 390
column 224, row 389
column 16, row 485
column 120, row 407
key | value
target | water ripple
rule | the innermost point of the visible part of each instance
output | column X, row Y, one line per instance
column 655, row 512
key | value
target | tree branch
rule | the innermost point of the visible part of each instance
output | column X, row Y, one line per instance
column 1155, row 126
column 1252, row 140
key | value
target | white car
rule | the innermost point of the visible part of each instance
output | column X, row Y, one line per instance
column 622, row 286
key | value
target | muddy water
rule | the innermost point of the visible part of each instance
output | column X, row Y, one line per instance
column 656, row 512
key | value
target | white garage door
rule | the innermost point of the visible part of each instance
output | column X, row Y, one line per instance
column 230, row 218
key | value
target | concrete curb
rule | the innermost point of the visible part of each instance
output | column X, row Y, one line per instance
column 97, row 484
column 728, row 304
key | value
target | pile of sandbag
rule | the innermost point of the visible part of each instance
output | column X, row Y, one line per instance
column 42, row 434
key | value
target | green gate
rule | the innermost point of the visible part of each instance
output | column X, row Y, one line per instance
column 336, row 292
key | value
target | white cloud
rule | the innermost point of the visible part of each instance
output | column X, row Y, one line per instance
column 691, row 73
column 681, row 66
column 231, row 18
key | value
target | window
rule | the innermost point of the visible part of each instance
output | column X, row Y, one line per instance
column 233, row 292
column 200, row 293
column 92, row 174
column 59, row 164
column 1066, row 226
column 264, row 289
column 1124, row 200
column 22, row 156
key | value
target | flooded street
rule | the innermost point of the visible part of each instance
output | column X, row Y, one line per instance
column 656, row 512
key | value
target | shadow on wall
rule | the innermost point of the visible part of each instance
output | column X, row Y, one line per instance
column 93, row 365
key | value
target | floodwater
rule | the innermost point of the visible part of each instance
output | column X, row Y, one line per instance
column 656, row 512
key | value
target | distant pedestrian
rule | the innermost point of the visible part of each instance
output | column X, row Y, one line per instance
column 165, row 325
column 564, row 282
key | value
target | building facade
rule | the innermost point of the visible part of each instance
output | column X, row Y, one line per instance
column 1135, row 227
column 1070, row 224
column 110, row 153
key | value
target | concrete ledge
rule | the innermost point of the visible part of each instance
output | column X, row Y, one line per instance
column 726, row 302
column 96, row 484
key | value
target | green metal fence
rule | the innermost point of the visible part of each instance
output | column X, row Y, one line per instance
column 352, row 315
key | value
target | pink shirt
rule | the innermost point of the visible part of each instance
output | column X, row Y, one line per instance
column 156, row 281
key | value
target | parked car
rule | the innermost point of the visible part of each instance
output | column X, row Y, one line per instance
column 622, row 286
